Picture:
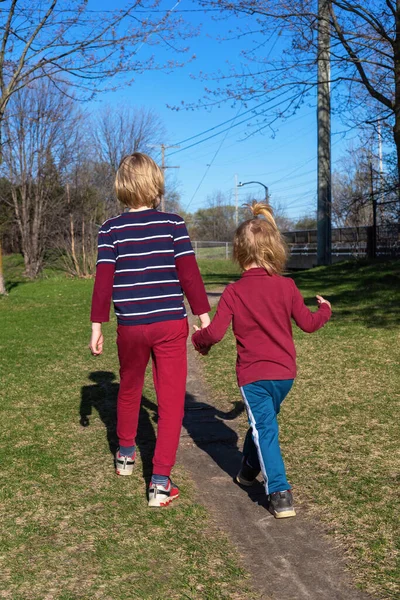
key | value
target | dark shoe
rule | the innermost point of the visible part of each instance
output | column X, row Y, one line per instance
column 247, row 475
column 280, row 504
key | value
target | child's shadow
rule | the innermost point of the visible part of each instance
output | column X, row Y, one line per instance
column 206, row 426
column 102, row 396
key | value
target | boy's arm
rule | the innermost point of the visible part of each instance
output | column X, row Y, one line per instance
column 305, row 319
column 102, row 291
column 188, row 272
column 192, row 284
column 203, row 339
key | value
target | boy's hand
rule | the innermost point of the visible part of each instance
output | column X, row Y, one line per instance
column 321, row 300
column 96, row 340
column 196, row 328
column 204, row 320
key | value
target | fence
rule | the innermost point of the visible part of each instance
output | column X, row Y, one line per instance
column 347, row 242
column 221, row 250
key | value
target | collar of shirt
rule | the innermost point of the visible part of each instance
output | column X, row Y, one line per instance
column 255, row 272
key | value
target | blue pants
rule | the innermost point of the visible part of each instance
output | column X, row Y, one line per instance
column 263, row 400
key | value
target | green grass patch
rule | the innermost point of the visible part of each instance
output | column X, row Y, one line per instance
column 218, row 273
column 340, row 423
column 71, row 529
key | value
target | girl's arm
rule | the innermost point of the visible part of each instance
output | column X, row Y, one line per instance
column 305, row 319
column 203, row 339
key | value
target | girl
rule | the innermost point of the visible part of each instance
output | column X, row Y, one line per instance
column 260, row 306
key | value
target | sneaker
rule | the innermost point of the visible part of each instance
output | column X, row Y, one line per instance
column 247, row 475
column 162, row 496
column 124, row 464
column 281, row 504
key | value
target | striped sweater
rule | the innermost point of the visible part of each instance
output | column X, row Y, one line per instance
column 146, row 262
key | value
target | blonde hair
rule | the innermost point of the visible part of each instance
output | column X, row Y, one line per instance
column 259, row 241
column 139, row 181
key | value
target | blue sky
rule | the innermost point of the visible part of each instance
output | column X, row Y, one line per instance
column 286, row 163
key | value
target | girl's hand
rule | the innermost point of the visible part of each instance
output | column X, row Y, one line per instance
column 203, row 352
column 321, row 300
column 96, row 340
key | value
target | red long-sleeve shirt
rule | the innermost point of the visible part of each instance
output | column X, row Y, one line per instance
column 261, row 307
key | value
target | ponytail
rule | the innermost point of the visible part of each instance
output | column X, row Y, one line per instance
column 265, row 210
column 259, row 241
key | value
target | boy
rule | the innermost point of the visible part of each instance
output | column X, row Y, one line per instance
column 146, row 263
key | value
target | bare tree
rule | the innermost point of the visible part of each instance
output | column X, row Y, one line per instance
column 73, row 43
column 5, row 218
column 122, row 130
column 365, row 54
column 38, row 129
column 351, row 189
column 3, row 290
column 217, row 221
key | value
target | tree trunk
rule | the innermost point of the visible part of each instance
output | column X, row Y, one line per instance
column 3, row 290
column 396, row 128
column 72, row 234
column 85, row 273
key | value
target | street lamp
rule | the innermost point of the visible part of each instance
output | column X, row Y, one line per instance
column 240, row 184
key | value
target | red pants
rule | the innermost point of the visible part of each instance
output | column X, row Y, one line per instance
column 165, row 342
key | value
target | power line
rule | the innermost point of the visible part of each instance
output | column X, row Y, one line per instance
column 209, row 167
column 232, row 124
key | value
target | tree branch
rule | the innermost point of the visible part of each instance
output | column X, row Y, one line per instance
column 366, row 15
column 358, row 64
column 4, row 41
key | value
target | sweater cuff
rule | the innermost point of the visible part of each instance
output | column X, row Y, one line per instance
column 203, row 349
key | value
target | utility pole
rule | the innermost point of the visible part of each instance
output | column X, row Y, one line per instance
column 163, row 165
column 236, row 202
column 373, row 199
column 324, row 222
column 381, row 180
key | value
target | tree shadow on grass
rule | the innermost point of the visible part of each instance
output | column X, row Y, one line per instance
column 102, row 396
column 222, row 279
column 362, row 291
column 207, row 427
column 10, row 285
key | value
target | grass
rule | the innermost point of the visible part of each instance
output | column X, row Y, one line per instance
column 218, row 273
column 214, row 251
column 70, row 528
column 340, row 423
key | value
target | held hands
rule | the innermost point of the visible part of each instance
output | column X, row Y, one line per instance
column 204, row 322
column 96, row 340
column 321, row 300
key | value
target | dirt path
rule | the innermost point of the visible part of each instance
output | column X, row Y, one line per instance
column 289, row 559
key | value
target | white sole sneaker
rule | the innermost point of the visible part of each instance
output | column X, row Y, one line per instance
column 124, row 464
column 159, row 496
